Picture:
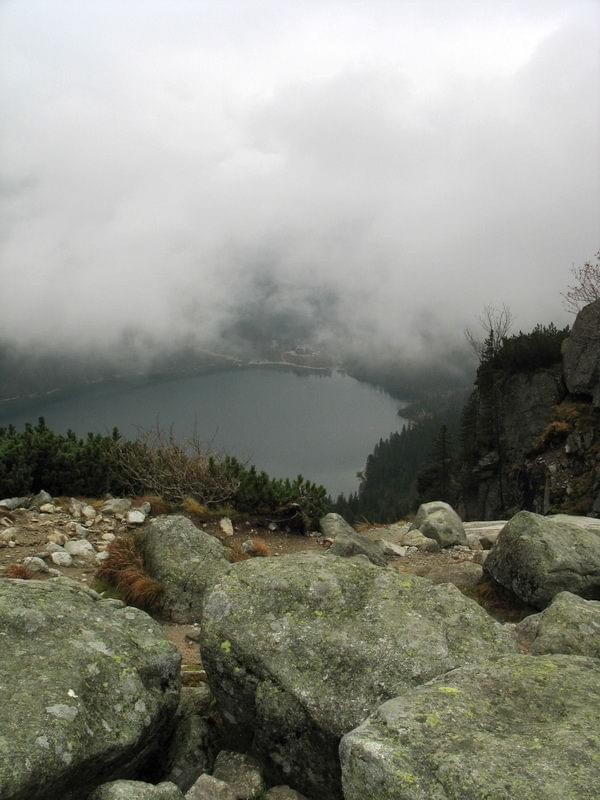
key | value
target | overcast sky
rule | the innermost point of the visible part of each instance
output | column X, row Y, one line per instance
column 162, row 159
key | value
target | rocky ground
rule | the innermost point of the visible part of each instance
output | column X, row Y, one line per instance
column 49, row 539
column 314, row 666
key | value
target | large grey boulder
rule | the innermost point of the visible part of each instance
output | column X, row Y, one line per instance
column 520, row 728
column 569, row 625
column 581, row 354
column 137, row 790
column 537, row 557
column 439, row 521
column 89, row 690
column 185, row 560
column 300, row 649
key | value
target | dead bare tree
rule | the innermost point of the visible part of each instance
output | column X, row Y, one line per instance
column 157, row 463
column 585, row 287
column 496, row 324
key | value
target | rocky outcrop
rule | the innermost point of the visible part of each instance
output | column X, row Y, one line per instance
column 89, row 687
column 185, row 560
column 581, row 354
column 537, row 557
column 300, row 649
column 439, row 521
column 569, row 625
column 523, row 727
column 195, row 740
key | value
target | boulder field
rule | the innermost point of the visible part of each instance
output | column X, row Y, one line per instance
column 331, row 674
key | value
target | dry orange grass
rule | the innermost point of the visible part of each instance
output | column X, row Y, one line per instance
column 236, row 553
column 260, row 548
column 18, row 571
column 124, row 570
column 192, row 506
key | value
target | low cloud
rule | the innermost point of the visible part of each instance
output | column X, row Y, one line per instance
column 371, row 174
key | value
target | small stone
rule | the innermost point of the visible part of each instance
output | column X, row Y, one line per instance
column 35, row 564
column 61, row 559
column 272, row 526
column 48, row 508
column 88, row 512
column 209, row 788
column 391, row 549
column 226, row 526
column 108, row 537
column 57, row 537
column 81, row 532
column 12, row 544
column 473, row 540
column 194, row 634
column 79, row 547
column 135, row 517
column 283, row 793
column 10, row 503
column 241, row 772
column 56, row 573
column 102, row 556
column 10, row 534
column 116, row 506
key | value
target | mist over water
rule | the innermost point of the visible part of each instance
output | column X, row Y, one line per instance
column 321, row 426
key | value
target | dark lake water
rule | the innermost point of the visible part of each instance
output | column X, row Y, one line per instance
column 322, row 426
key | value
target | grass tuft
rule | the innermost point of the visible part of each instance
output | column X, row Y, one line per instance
column 18, row 571
column 124, row 570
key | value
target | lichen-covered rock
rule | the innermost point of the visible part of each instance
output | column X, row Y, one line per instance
column 463, row 574
column 137, row 790
column 520, row 728
column 115, row 505
column 439, row 521
column 569, row 625
column 349, row 545
column 88, row 690
column 242, row 773
column 283, row 793
column 185, row 560
column 416, row 539
column 537, row 557
column 581, row 354
column 299, row 649
column 333, row 525
column 195, row 741
column 209, row 788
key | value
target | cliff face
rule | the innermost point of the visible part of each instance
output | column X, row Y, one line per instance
column 532, row 439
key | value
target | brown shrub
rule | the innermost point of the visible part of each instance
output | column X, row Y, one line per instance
column 124, row 570
column 552, row 432
column 237, row 553
column 259, row 547
column 192, row 506
column 18, row 571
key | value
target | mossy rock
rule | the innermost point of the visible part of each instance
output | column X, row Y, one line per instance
column 520, row 728
column 300, row 649
column 89, row 690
